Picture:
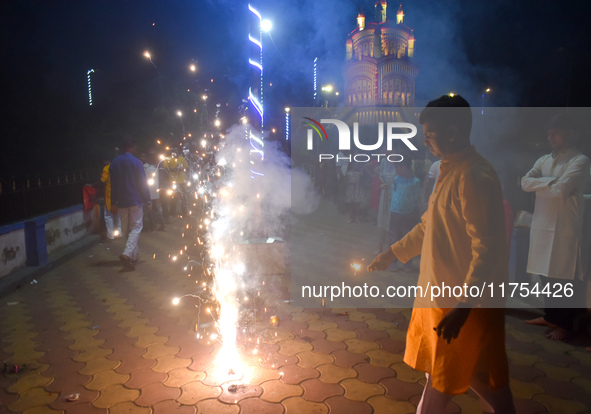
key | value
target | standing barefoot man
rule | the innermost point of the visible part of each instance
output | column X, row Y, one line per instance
column 558, row 179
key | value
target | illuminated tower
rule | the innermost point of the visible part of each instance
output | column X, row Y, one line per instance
column 378, row 70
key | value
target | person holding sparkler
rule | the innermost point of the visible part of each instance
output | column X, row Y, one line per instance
column 404, row 204
column 129, row 190
column 461, row 240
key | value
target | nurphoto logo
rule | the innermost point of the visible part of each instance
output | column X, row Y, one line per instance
column 391, row 131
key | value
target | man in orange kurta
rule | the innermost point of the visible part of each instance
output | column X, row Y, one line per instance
column 458, row 342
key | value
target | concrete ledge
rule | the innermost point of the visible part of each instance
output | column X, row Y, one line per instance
column 18, row 278
column 30, row 243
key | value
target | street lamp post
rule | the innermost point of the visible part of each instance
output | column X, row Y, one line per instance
column 487, row 90
column 255, row 132
column 327, row 92
column 180, row 115
column 149, row 56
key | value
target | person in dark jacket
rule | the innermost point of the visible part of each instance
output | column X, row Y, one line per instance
column 129, row 190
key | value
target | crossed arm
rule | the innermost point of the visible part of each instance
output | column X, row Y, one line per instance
column 572, row 180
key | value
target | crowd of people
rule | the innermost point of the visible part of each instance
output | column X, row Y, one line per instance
column 393, row 195
column 451, row 212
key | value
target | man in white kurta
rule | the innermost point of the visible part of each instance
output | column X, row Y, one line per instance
column 558, row 179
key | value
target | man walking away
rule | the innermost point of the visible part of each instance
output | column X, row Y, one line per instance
column 129, row 190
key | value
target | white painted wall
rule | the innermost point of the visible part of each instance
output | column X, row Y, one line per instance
column 12, row 251
column 64, row 230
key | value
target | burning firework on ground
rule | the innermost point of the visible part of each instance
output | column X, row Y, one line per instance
column 228, row 213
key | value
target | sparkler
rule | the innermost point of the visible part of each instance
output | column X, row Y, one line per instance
column 356, row 266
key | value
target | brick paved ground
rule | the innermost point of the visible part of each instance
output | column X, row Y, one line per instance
column 116, row 340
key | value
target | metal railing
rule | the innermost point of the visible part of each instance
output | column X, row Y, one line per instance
column 22, row 199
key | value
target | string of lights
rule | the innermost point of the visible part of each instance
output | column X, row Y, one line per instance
column 255, row 96
column 89, row 86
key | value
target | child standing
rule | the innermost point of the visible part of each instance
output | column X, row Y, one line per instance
column 404, row 206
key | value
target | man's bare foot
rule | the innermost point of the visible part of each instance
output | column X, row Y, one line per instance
column 558, row 334
column 540, row 322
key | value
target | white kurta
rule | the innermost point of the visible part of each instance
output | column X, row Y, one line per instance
column 558, row 180
column 152, row 177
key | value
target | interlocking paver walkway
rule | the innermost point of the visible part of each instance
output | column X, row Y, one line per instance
column 117, row 343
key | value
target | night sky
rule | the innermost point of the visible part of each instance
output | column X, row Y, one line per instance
column 531, row 53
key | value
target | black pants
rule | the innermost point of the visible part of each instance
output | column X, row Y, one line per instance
column 563, row 311
column 154, row 216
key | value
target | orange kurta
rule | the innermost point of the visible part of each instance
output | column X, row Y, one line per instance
column 461, row 239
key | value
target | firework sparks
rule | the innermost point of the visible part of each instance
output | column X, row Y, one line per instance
column 356, row 266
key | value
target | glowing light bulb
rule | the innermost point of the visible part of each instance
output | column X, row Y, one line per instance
column 266, row 25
